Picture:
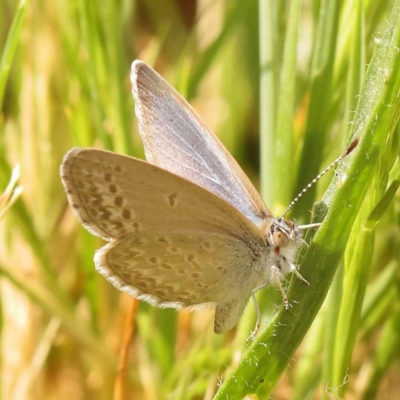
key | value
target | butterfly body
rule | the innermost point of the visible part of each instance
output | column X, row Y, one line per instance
column 187, row 228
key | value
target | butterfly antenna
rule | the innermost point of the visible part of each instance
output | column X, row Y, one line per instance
column 352, row 146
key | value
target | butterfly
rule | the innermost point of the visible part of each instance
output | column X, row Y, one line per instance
column 187, row 228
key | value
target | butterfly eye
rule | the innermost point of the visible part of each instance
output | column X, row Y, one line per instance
column 280, row 239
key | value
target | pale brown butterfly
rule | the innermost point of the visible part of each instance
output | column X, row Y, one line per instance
column 187, row 228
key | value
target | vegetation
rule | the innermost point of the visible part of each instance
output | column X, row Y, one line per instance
column 286, row 85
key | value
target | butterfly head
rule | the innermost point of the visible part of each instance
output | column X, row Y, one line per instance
column 283, row 233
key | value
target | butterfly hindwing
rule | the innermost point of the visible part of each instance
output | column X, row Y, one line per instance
column 181, row 271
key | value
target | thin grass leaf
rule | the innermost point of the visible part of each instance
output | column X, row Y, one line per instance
column 206, row 58
column 11, row 44
column 11, row 193
column 320, row 99
column 96, row 64
column 267, row 98
column 307, row 375
column 43, row 296
column 386, row 352
column 20, row 216
column 380, row 298
column 355, row 75
column 268, row 356
column 376, row 214
column 283, row 146
column 360, row 252
column 117, row 68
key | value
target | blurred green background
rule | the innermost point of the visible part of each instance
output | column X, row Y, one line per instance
column 285, row 85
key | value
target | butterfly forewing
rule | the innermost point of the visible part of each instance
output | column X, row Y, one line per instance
column 176, row 139
column 114, row 196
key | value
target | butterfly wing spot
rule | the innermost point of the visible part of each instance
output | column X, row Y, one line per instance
column 126, row 214
column 136, row 253
column 161, row 294
column 108, row 177
column 133, row 274
column 195, row 275
column 172, row 199
column 91, row 189
column 118, row 201
column 112, row 188
column 136, row 227
column 139, row 241
column 164, row 240
column 127, row 276
column 166, row 266
column 169, row 288
column 105, row 214
column 76, row 206
column 140, row 284
column 117, row 168
column 192, row 260
column 150, row 281
column 186, row 302
column 118, row 225
column 207, row 246
column 153, row 260
column 181, row 272
column 223, row 270
column 90, row 197
column 93, row 213
column 164, row 292
column 173, row 250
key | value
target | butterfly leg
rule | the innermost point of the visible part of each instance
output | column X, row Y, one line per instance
column 275, row 278
column 257, row 326
column 297, row 273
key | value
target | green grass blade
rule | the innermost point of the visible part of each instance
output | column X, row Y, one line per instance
column 307, row 373
column 10, row 47
column 320, row 101
column 376, row 115
column 353, row 87
column 361, row 248
column 96, row 66
column 283, row 145
column 44, row 297
column 267, row 99
column 380, row 298
column 386, row 352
